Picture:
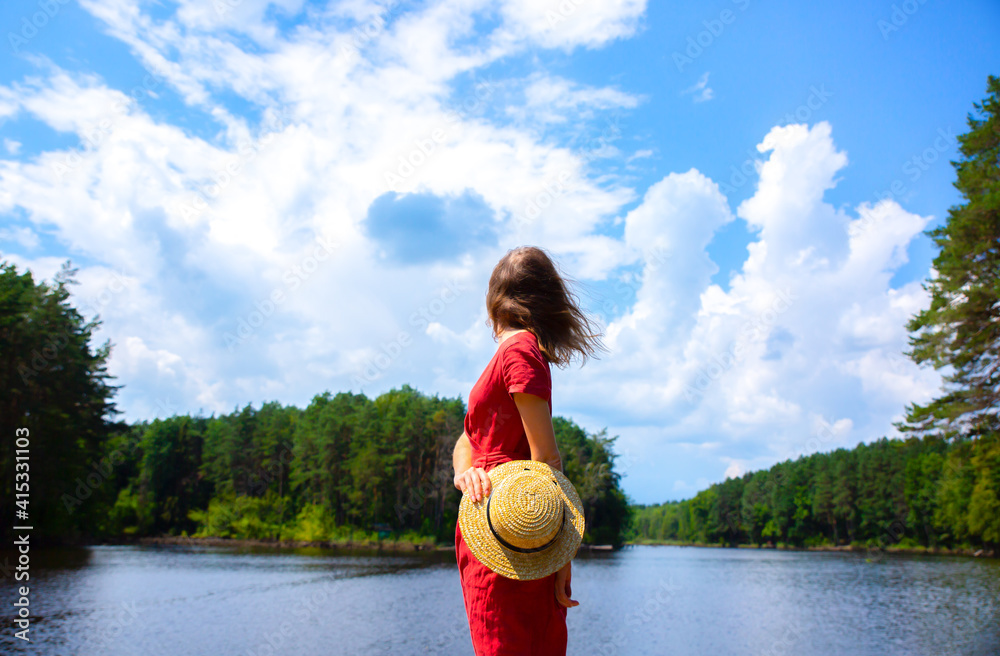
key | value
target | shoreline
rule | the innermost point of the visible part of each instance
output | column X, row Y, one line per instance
column 853, row 548
column 352, row 545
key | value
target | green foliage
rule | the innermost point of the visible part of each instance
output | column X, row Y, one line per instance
column 926, row 493
column 352, row 468
column 244, row 517
column 984, row 503
column 129, row 516
column 314, row 523
column 961, row 328
column 588, row 462
column 168, row 478
column 55, row 388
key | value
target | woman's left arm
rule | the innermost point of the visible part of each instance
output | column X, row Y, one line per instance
column 537, row 420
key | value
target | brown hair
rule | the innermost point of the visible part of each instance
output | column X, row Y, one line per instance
column 526, row 291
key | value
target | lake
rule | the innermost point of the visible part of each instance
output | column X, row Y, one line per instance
column 220, row 601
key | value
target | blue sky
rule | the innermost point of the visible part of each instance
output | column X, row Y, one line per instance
column 267, row 200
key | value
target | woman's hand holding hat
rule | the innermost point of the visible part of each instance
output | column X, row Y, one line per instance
column 531, row 523
column 476, row 481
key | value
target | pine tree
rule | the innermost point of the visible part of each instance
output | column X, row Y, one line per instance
column 56, row 395
column 961, row 328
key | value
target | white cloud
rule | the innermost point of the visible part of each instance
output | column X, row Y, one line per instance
column 555, row 99
column 23, row 236
column 570, row 23
column 700, row 90
column 640, row 154
column 243, row 15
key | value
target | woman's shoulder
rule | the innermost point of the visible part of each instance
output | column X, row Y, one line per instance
column 524, row 340
column 520, row 345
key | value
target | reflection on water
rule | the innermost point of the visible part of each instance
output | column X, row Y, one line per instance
column 646, row 600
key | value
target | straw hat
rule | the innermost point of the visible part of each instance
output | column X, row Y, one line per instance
column 530, row 525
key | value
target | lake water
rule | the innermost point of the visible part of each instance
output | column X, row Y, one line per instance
column 193, row 601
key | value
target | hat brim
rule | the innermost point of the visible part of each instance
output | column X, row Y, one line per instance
column 513, row 564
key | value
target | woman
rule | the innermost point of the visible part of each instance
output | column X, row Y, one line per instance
column 537, row 322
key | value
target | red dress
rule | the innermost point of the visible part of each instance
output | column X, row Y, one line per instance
column 508, row 617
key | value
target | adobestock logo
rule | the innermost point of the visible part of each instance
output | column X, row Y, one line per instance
column 425, row 147
column 292, row 279
column 421, row 318
column 698, row 43
column 914, row 168
column 751, row 331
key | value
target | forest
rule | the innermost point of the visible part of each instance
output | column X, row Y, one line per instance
column 888, row 493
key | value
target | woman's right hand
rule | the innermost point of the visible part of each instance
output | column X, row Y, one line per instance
column 474, row 481
column 563, row 588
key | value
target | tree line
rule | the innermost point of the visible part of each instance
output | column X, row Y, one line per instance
column 907, row 493
column 344, row 466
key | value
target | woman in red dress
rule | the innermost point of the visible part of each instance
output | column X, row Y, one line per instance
column 537, row 322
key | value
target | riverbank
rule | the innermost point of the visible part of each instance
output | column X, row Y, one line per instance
column 856, row 548
column 366, row 545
